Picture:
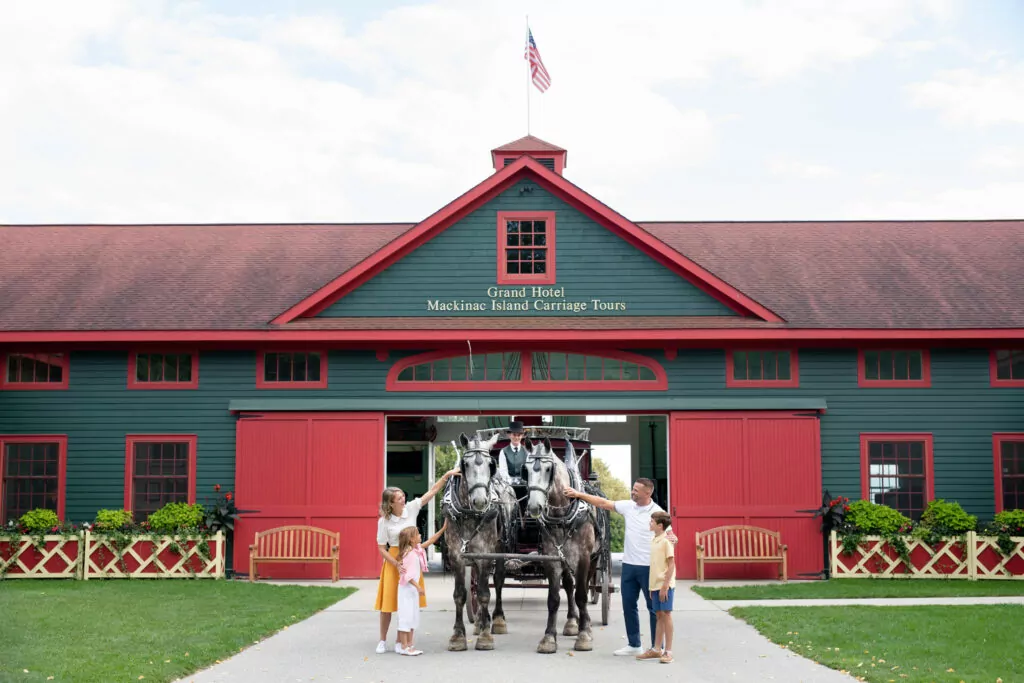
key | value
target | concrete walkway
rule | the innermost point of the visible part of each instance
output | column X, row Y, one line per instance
column 338, row 645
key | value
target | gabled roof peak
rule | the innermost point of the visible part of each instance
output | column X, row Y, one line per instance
column 528, row 143
column 550, row 156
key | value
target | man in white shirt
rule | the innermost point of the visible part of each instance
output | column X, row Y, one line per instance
column 512, row 457
column 636, row 556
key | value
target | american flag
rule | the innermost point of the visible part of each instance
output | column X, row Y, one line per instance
column 541, row 77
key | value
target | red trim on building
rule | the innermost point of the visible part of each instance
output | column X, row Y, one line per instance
column 134, row 383
column 62, row 464
column 924, row 382
column 993, row 371
column 526, row 381
column 524, row 167
column 35, row 386
column 557, row 157
column 132, row 439
column 997, row 462
column 263, row 383
column 929, row 460
column 791, row 383
column 637, row 338
column 546, row 278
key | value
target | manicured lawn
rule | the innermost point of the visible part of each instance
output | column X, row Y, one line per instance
column 863, row 588
column 111, row 631
column 903, row 644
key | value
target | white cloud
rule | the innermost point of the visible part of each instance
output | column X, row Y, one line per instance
column 128, row 112
column 968, row 96
column 800, row 169
column 1000, row 159
column 1000, row 200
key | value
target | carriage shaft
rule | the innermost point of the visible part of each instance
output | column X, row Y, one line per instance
column 511, row 556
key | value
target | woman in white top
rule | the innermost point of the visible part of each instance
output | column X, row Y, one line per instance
column 396, row 515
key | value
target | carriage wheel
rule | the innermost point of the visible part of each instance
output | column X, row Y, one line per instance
column 474, row 604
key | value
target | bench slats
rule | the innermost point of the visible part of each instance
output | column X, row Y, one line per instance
column 740, row 543
column 296, row 543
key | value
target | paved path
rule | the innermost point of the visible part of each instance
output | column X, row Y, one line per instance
column 337, row 645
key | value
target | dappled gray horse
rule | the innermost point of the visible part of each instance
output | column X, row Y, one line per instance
column 479, row 509
column 568, row 530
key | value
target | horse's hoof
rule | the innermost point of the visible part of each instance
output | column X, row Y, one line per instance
column 499, row 627
column 572, row 628
column 485, row 642
column 584, row 643
column 457, row 644
column 547, row 646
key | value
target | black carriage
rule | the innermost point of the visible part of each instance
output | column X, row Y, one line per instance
column 524, row 563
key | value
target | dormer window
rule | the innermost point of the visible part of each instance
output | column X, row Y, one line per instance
column 526, row 248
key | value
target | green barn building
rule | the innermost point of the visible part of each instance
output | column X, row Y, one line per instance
column 304, row 366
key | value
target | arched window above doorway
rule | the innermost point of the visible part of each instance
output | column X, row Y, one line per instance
column 527, row 370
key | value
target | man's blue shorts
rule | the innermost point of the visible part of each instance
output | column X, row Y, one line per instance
column 662, row 605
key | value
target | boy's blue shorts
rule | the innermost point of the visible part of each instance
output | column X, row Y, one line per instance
column 662, row 605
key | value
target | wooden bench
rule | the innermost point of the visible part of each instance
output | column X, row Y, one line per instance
column 295, row 544
column 740, row 543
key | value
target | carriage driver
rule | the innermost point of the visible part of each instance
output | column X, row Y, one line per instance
column 512, row 458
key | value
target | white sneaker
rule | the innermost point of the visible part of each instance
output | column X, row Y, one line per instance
column 629, row 651
column 382, row 647
column 398, row 649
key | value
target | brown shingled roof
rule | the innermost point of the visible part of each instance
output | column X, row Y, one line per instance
column 953, row 275
column 159, row 277
column 877, row 274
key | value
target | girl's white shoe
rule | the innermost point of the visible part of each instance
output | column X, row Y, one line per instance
column 382, row 647
column 412, row 652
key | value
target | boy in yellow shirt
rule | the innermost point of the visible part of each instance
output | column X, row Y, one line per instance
column 662, row 586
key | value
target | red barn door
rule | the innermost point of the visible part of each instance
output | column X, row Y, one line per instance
column 746, row 468
column 324, row 470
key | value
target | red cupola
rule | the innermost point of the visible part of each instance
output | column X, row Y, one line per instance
column 551, row 156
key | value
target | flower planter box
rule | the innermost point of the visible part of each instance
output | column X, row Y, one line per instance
column 152, row 557
column 58, row 558
column 977, row 557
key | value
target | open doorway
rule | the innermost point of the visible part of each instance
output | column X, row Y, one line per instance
column 623, row 448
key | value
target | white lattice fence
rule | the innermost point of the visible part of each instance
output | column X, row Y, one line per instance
column 990, row 563
column 975, row 557
column 153, row 557
column 58, row 558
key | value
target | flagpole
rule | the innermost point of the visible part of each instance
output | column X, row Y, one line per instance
column 527, row 75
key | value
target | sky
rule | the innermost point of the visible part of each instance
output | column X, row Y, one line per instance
column 333, row 111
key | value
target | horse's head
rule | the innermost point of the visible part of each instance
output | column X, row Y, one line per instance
column 545, row 475
column 476, row 467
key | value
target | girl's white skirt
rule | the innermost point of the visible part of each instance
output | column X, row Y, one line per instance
column 408, row 607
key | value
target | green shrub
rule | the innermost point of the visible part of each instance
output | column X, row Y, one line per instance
column 109, row 520
column 618, row 529
column 1012, row 520
column 947, row 519
column 39, row 521
column 870, row 518
column 175, row 517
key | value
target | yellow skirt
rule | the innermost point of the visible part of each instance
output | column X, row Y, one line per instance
column 387, row 587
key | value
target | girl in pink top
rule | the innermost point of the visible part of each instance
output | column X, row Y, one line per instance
column 412, row 560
